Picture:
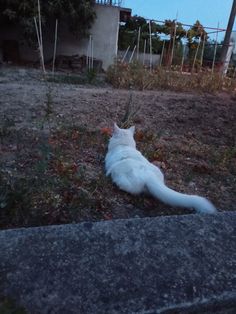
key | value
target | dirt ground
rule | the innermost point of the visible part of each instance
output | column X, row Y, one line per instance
column 53, row 140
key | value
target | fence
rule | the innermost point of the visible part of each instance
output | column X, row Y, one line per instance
column 175, row 46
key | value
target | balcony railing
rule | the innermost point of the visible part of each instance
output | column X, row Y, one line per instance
column 110, row 2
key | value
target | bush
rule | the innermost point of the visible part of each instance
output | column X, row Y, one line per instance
column 137, row 76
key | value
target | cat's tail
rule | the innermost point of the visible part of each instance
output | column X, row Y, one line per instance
column 168, row 196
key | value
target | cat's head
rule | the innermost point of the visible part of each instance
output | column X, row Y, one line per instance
column 122, row 137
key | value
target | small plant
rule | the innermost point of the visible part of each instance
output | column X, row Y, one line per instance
column 130, row 113
column 47, row 108
column 91, row 75
column 49, row 103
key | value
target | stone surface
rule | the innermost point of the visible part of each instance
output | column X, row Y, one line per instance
column 177, row 264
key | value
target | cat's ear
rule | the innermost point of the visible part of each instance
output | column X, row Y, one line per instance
column 115, row 128
column 132, row 129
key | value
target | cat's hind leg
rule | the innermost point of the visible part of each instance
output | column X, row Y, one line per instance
column 158, row 173
column 130, row 184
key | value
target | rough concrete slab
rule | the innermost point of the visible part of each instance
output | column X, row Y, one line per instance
column 180, row 264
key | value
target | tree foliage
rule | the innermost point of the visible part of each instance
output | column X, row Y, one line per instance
column 78, row 14
column 195, row 34
column 129, row 33
column 173, row 33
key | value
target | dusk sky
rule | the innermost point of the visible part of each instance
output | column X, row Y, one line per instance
column 208, row 12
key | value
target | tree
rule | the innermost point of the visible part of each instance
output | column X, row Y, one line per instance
column 176, row 33
column 128, row 34
column 79, row 14
column 196, row 33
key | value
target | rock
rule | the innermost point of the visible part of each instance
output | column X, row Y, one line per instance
column 177, row 264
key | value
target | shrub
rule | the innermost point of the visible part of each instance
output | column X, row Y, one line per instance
column 135, row 75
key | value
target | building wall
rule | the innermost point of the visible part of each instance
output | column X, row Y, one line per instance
column 104, row 33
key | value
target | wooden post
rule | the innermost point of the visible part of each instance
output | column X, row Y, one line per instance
column 130, row 60
column 203, row 48
column 139, row 30
column 215, row 50
column 39, row 44
column 162, row 52
column 89, row 53
column 127, row 50
column 92, row 53
column 40, row 35
column 196, row 53
column 37, row 33
column 144, row 51
column 150, row 39
column 173, row 45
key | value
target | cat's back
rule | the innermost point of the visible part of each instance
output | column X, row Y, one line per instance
column 122, row 154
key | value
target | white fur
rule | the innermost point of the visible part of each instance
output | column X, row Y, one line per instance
column 133, row 173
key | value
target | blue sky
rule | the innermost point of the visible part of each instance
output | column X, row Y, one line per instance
column 208, row 12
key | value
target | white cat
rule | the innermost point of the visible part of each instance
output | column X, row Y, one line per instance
column 133, row 173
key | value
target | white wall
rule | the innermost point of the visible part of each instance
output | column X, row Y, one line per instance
column 142, row 57
column 104, row 32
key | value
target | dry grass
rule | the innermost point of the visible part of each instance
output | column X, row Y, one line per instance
column 137, row 76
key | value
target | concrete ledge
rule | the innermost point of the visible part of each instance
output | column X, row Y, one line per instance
column 180, row 264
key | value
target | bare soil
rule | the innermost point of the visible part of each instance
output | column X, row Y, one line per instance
column 53, row 140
